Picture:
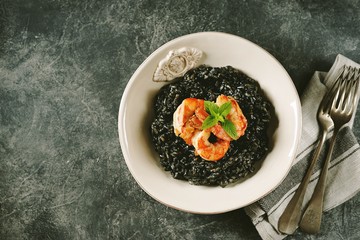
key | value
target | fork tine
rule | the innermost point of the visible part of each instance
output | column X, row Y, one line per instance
column 349, row 81
column 331, row 93
column 344, row 94
column 340, row 89
column 355, row 90
column 354, row 86
column 338, row 92
column 350, row 91
column 347, row 93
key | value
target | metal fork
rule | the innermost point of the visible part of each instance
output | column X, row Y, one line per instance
column 341, row 112
column 289, row 220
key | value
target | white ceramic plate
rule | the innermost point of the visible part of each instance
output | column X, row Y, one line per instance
column 136, row 111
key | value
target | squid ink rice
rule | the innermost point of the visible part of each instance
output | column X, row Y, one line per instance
column 207, row 83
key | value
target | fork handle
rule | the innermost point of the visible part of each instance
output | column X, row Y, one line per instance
column 289, row 220
column 311, row 220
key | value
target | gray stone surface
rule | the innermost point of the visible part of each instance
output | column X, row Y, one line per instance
column 63, row 67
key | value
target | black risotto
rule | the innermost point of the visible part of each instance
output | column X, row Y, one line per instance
column 207, row 83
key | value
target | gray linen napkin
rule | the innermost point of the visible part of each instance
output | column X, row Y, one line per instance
column 343, row 180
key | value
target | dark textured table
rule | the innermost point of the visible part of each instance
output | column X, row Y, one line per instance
column 63, row 67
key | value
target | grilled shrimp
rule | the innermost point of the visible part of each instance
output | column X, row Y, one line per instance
column 186, row 118
column 236, row 116
column 207, row 150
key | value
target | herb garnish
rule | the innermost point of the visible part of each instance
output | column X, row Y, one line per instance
column 218, row 114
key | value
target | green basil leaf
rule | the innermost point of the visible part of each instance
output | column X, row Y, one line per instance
column 211, row 108
column 230, row 129
column 209, row 122
column 225, row 109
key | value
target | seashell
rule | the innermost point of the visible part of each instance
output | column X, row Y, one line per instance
column 177, row 63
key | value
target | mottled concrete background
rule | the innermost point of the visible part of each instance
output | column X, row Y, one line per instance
column 63, row 67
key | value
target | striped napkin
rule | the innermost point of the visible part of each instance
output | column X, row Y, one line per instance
column 343, row 180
